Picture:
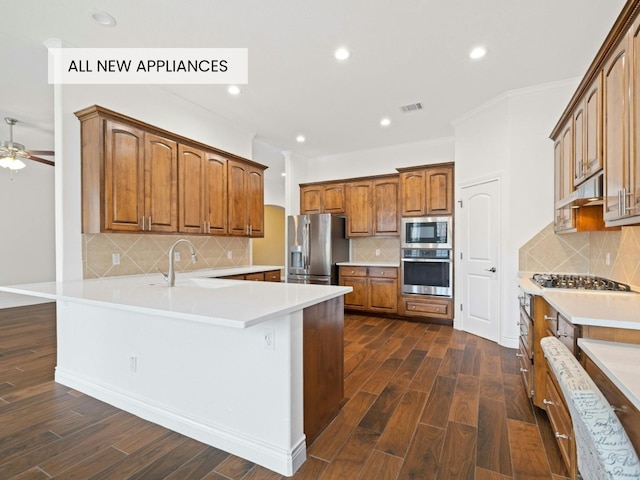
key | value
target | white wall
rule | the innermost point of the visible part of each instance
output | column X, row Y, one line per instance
column 27, row 241
column 274, row 182
column 150, row 104
column 509, row 137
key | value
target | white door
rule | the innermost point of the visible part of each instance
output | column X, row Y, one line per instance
column 479, row 227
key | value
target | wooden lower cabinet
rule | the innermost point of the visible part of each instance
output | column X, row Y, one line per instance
column 375, row 289
column 561, row 425
column 268, row 276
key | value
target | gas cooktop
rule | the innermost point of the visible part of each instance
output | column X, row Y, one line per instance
column 584, row 282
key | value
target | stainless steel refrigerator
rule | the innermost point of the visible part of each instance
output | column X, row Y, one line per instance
column 315, row 244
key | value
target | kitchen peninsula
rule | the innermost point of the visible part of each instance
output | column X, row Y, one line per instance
column 218, row 360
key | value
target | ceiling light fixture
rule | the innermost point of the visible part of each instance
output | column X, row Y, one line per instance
column 385, row 122
column 10, row 151
column 342, row 54
column 102, row 18
column 300, row 139
column 234, row 90
column 477, row 53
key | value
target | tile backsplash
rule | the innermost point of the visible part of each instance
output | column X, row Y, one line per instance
column 364, row 249
column 585, row 252
column 146, row 253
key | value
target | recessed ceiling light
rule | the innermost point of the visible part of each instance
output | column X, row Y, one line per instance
column 477, row 53
column 342, row 54
column 300, row 139
column 284, row 174
column 102, row 18
column 385, row 122
column 234, row 90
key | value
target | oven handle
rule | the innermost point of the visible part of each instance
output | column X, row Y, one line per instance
column 427, row 260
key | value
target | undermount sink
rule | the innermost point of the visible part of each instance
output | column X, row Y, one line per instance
column 210, row 282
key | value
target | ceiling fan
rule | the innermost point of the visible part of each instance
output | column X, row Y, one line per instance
column 12, row 152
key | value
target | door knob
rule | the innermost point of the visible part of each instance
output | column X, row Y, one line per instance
column 492, row 269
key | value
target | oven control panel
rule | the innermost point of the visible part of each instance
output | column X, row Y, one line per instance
column 435, row 253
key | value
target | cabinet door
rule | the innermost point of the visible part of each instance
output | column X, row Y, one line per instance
column 593, row 128
column 579, row 157
column 255, row 202
column 615, row 121
column 191, row 179
column 357, row 299
column 237, row 174
column 632, row 206
column 359, row 211
column 123, row 177
column 333, row 198
column 383, row 295
column 414, row 194
column 215, row 196
column 440, row 191
column 161, row 184
column 311, row 199
column 385, row 207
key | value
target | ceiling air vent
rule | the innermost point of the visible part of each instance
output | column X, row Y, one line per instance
column 411, row 107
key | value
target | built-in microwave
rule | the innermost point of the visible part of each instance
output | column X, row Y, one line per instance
column 426, row 232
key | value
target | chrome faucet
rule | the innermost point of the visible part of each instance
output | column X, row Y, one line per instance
column 171, row 276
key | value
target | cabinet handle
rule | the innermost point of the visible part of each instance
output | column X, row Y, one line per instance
column 381, row 273
column 546, row 317
column 561, row 334
column 562, row 436
column 352, row 272
column 149, row 226
column 519, row 355
column 413, row 307
column 547, row 402
column 523, row 370
column 143, row 218
column 438, row 310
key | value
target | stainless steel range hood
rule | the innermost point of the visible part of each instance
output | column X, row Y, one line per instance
column 590, row 192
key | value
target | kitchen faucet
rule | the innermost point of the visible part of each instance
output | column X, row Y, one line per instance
column 171, row 276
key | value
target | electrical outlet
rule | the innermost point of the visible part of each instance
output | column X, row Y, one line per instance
column 176, row 256
column 607, row 258
column 377, row 252
column 229, row 254
column 270, row 338
column 133, row 363
column 115, row 258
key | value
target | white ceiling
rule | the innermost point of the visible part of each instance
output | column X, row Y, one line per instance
column 403, row 51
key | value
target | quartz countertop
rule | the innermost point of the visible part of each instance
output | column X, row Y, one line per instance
column 369, row 264
column 589, row 307
column 620, row 362
column 196, row 296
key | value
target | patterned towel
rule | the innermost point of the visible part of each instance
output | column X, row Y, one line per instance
column 603, row 447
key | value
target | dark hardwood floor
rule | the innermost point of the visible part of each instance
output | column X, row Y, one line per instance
column 424, row 402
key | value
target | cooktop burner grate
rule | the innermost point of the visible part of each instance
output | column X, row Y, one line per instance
column 584, row 282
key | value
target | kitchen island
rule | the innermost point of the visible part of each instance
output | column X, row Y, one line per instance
column 218, row 360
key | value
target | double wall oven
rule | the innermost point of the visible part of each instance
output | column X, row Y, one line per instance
column 426, row 256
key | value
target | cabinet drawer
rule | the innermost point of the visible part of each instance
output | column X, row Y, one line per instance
column 383, row 272
column 567, row 333
column 626, row 412
column 346, row 271
column 272, row 276
column 560, row 421
column 256, row 277
column 428, row 308
column 526, row 334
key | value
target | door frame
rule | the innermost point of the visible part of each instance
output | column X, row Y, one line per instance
column 460, row 269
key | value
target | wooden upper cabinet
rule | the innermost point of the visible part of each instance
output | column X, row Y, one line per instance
column 427, row 190
column 190, row 173
column 123, row 177
column 632, row 202
column 385, row 206
column 359, row 209
column 592, row 149
column 139, row 178
column 414, row 193
column 160, row 184
column 245, row 199
column 440, row 191
column 322, row 198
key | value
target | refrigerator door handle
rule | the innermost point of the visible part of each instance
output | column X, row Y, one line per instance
column 306, row 245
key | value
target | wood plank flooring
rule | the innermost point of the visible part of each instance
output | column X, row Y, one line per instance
column 424, row 402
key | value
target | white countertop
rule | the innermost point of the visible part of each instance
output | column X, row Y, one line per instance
column 368, row 264
column 618, row 361
column 196, row 296
column 588, row 307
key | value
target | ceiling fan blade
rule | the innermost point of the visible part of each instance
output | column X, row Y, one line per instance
column 41, row 160
column 46, row 153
